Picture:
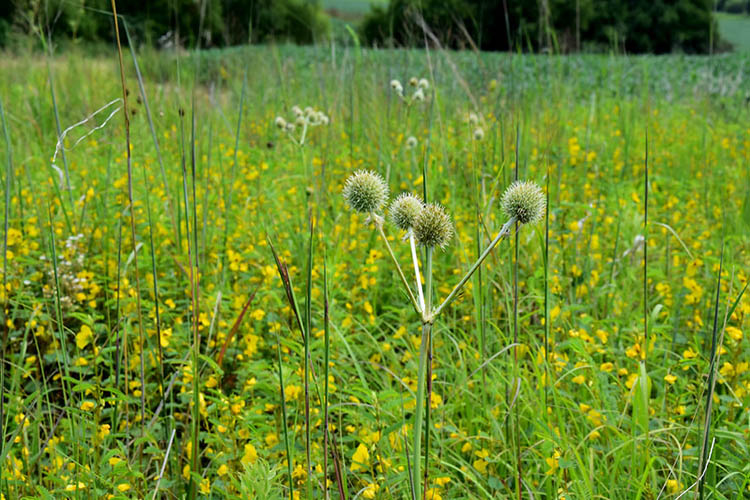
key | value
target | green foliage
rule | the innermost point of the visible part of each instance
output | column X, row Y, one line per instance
column 639, row 26
column 169, row 22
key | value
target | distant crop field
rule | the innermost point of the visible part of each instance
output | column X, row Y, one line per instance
column 337, row 273
column 736, row 30
column 353, row 7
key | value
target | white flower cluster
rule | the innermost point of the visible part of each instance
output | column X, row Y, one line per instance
column 419, row 86
column 304, row 119
column 309, row 117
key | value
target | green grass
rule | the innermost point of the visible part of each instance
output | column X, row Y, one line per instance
column 229, row 348
column 735, row 29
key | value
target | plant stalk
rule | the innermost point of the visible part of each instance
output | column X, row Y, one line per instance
column 379, row 225
column 504, row 231
column 414, row 258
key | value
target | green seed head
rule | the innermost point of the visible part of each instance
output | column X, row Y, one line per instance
column 433, row 227
column 365, row 191
column 525, row 201
column 404, row 211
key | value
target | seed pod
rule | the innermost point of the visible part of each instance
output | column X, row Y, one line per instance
column 433, row 227
column 365, row 191
column 525, row 201
column 404, row 210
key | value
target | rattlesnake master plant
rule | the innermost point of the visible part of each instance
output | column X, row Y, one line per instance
column 366, row 192
column 525, row 201
column 433, row 227
column 404, row 211
column 430, row 226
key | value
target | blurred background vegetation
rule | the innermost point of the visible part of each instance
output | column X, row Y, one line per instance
column 560, row 26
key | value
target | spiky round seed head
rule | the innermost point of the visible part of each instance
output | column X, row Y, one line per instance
column 419, row 94
column 404, row 210
column 424, row 83
column 413, row 81
column 433, row 227
column 280, row 122
column 478, row 134
column 296, row 110
column 396, row 86
column 525, row 201
column 365, row 191
column 290, row 127
column 411, row 142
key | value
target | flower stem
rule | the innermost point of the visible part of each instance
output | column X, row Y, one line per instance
column 504, row 231
column 379, row 225
column 421, row 383
column 416, row 268
column 422, row 378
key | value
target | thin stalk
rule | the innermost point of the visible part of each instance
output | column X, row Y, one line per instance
column 142, row 89
column 326, row 349
column 417, row 452
column 421, row 379
column 283, row 426
column 504, row 231
column 192, row 324
column 132, row 216
column 414, row 259
column 711, row 384
column 194, row 278
column 516, row 379
column 516, row 376
column 5, row 302
column 308, row 329
column 546, row 299
column 379, row 225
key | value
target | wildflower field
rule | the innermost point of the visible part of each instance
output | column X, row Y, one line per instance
column 165, row 280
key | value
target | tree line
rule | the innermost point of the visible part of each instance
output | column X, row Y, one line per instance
column 633, row 26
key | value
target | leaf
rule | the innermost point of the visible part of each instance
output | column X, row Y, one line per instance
column 640, row 400
column 746, row 207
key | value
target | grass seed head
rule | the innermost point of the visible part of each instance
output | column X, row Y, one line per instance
column 432, row 226
column 404, row 211
column 525, row 201
column 365, row 191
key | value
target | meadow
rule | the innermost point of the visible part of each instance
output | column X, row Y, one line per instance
column 164, row 281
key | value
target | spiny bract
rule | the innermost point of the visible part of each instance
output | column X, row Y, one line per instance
column 433, row 227
column 404, row 210
column 525, row 201
column 365, row 191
